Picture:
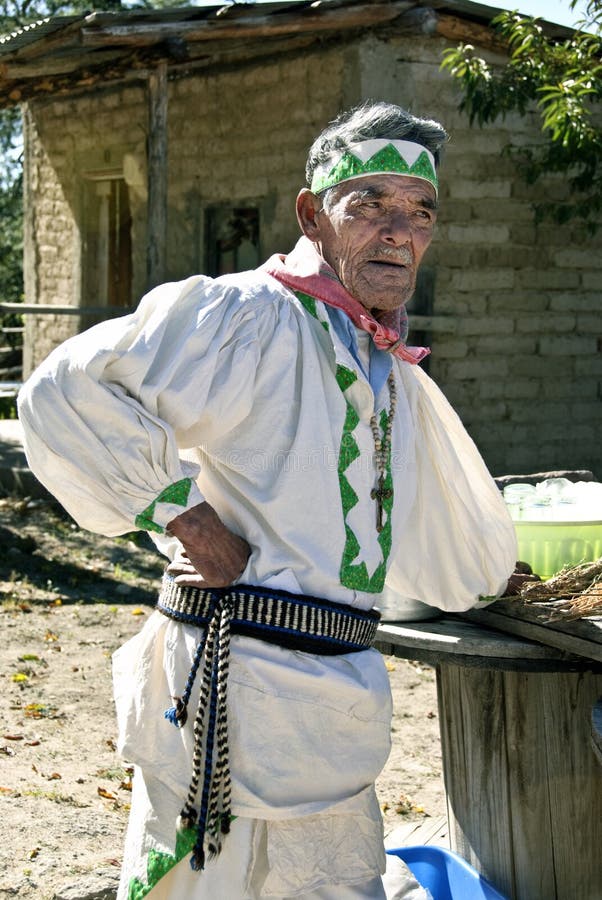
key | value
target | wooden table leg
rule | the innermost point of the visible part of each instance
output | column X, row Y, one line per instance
column 523, row 785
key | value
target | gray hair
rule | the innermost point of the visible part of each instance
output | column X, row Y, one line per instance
column 370, row 121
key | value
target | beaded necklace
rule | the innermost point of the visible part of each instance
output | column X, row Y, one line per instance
column 382, row 448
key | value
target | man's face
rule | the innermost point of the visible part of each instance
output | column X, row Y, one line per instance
column 374, row 232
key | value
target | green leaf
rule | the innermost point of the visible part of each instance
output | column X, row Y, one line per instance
column 558, row 81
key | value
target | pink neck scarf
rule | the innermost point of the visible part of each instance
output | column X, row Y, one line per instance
column 305, row 270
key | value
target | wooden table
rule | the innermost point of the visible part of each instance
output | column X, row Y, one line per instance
column 523, row 784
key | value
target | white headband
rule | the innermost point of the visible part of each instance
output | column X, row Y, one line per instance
column 376, row 157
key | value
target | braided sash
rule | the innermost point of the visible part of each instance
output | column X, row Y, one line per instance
column 297, row 622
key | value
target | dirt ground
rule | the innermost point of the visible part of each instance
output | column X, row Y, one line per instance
column 68, row 599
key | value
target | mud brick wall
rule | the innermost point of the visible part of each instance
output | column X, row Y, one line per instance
column 516, row 330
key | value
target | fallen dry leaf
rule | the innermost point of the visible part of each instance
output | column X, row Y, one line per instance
column 40, row 711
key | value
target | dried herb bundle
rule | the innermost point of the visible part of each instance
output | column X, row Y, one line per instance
column 575, row 591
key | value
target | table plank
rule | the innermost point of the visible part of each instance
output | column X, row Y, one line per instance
column 576, row 812
column 475, row 770
column 453, row 639
column 597, row 728
column 532, row 621
column 526, row 734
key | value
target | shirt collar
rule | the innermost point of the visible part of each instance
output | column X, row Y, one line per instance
column 380, row 362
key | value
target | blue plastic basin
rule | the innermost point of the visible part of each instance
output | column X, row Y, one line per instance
column 446, row 875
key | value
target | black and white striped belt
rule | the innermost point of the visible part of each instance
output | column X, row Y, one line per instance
column 295, row 621
column 279, row 617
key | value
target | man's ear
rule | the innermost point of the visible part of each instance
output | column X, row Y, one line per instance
column 308, row 205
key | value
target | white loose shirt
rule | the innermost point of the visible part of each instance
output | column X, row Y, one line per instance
column 238, row 385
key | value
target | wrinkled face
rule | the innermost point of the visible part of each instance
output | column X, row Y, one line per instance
column 374, row 232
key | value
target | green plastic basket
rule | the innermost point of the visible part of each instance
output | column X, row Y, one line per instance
column 549, row 546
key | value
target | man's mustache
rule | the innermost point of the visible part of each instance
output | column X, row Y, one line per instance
column 401, row 255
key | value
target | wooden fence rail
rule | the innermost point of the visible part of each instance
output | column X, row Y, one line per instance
column 437, row 324
column 11, row 375
column 44, row 309
column 8, row 384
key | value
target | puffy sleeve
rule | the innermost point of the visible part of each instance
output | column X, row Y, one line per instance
column 458, row 546
column 105, row 416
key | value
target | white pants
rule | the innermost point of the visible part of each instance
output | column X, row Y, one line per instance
column 239, row 873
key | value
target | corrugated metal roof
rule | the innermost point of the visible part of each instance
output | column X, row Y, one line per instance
column 35, row 31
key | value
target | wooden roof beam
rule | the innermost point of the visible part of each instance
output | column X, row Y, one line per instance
column 156, row 239
column 63, row 65
column 319, row 19
column 129, row 66
column 464, row 31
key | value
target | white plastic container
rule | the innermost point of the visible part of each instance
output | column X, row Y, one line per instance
column 394, row 608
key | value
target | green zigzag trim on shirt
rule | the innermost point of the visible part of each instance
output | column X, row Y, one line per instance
column 158, row 864
column 309, row 304
column 176, row 493
column 355, row 576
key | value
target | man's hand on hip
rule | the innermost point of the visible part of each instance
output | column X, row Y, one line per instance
column 214, row 556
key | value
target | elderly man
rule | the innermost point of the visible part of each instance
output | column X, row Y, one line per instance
column 275, row 435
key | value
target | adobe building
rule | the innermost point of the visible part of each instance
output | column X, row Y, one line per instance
column 168, row 142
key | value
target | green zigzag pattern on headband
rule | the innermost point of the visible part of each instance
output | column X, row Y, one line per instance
column 387, row 159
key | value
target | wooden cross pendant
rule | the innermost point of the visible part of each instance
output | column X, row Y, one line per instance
column 380, row 493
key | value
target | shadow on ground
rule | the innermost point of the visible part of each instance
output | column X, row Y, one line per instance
column 45, row 556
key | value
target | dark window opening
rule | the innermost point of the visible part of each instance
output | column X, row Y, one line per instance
column 107, row 256
column 232, row 243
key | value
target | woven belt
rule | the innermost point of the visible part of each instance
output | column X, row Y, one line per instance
column 279, row 617
column 290, row 620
